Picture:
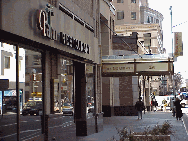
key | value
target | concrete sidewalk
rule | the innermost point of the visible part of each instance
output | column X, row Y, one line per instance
column 150, row 119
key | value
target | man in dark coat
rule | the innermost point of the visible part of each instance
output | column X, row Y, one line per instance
column 178, row 109
column 139, row 106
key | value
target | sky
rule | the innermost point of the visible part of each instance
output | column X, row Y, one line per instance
column 179, row 18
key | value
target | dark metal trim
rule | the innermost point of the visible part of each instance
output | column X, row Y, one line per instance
column 17, row 93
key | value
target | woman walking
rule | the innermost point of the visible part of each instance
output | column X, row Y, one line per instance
column 178, row 109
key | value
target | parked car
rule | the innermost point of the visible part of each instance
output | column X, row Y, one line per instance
column 32, row 108
column 90, row 107
column 184, row 102
column 67, row 109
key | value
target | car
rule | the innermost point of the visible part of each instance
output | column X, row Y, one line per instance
column 184, row 103
column 90, row 107
column 32, row 108
column 67, row 109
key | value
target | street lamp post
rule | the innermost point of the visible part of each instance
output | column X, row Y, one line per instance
column 172, row 53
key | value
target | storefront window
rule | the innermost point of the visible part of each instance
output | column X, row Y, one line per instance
column 8, row 96
column 89, row 90
column 31, row 83
column 67, row 96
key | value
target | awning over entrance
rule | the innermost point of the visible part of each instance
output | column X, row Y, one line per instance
column 136, row 65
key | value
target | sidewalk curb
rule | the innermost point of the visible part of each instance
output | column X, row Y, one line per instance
column 185, row 122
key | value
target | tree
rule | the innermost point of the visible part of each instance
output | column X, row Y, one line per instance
column 178, row 80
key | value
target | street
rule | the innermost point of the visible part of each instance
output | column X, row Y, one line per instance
column 30, row 126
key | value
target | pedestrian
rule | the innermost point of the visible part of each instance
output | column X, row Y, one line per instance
column 155, row 105
column 139, row 106
column 165, row 106
column 178, row 107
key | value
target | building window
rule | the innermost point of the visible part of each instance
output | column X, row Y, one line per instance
column 113, row 26
column 7, row 62
column 120, row 15
column 157, row 21
column 148, row 19
column 133, row 1
column 119, row 1
column 151, row 19
column 133, row 15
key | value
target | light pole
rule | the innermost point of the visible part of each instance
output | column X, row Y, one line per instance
column 172, row 53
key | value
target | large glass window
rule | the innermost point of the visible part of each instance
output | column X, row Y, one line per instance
column 90, row 90
column 67, row 96
column 32, row 102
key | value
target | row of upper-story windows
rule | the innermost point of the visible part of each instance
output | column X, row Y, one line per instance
column 122, row 1
column 120, row 15
column 151, row 19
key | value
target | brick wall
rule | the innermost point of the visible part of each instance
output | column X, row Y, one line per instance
column 125, row 91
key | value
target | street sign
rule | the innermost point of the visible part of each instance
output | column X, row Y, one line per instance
column 178, row 49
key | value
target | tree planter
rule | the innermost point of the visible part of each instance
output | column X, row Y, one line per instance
column 150, row 137
column 158, row 133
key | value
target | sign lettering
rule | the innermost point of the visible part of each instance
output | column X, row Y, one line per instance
column 74, row 43
column 44, row 24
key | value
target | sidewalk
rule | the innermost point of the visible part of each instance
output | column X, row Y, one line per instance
column 150, row 119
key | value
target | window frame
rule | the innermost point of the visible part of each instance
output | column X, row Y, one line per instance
column 122, row 17
column 133, row 1
column 5, row 66
column 132, row 14
column 120, row 1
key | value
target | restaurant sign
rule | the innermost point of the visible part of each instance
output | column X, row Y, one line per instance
column 44, row 24
column 118, row 68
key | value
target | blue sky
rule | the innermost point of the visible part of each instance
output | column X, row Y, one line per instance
column 179, row 16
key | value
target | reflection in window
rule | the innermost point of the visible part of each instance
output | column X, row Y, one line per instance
column 7, row 62
column 89, row 90
column 67, row 96
column 36, row 60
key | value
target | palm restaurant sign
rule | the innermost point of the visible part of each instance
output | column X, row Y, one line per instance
column 44, row 24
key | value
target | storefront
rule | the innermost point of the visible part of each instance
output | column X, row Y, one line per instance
column 55, row 55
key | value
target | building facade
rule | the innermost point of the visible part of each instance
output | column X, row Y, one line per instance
column 136, row 16
column 63, row 42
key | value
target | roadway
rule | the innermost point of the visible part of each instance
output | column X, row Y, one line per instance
column 30, row 126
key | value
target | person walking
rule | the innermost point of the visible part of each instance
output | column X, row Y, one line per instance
column 165, row 107
column 139, row 106
column 178, row 107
